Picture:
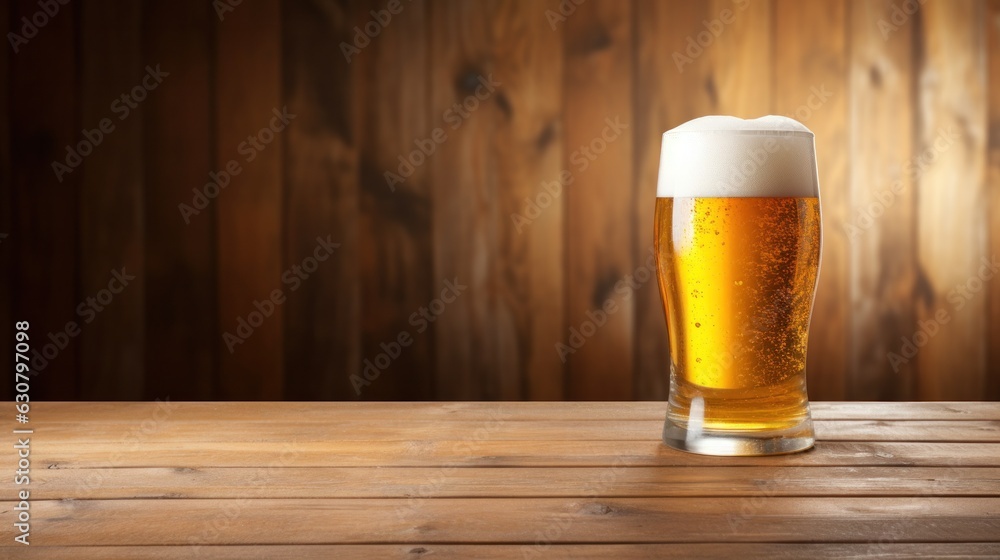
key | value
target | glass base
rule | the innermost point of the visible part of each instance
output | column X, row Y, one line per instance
column 739, row 443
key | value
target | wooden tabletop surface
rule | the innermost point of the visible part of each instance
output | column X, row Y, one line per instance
column 495, row 480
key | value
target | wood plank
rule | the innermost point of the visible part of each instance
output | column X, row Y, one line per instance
column 136, row 412
column 44, row 125
column 884, row 281
column 528, row 146
column 111, row 194
column 468, row 336
column 322, row 321
column 6, row 203
column 810, row 85
column 495, row 429
column 599, row 260
column 420, row 483
column 666, row 95
column 906, row 411
column 488, row 453
column 992, row 23
column 395, row 226
column 248, row 70
column 952, row 252
column 740, row 57
column 778, row 551
column 179, row 256
column 450, row 520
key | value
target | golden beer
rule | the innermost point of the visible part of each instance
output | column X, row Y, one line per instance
column 737, row 275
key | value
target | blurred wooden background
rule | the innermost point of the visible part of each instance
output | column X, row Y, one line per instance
column 881, row 87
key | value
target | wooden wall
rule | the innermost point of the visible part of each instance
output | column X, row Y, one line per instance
column 905, row 107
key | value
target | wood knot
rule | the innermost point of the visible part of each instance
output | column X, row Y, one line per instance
column 598, row 509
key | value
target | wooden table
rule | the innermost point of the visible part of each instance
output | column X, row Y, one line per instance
column 496, row 480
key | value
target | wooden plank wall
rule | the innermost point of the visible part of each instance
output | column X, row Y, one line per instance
column 524, row 137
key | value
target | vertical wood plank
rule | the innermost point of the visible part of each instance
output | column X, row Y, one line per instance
column 883, row 279
column 181, row 312
column 810, row 84
column 395, row 226
column 6, row 201
column 464, row 194
column 528, row 147
column 598, row 85
column 110, row 205
column 323, row 340
column 44, row 108
column 951, row 237
column 669, row 90
column 741, row 57
column 249, row 210
column 992, row 20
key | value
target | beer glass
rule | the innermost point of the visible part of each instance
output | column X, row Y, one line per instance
column 737, row 237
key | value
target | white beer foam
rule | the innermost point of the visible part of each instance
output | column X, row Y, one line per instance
column 719, row 156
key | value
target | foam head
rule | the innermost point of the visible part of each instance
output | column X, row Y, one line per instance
column 719, row 156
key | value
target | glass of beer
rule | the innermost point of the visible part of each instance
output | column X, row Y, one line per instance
column 738, row 236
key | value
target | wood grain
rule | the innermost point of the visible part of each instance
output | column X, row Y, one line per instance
column 248, row 212
column 992, row 24
column 810, row 85
column 395, row 225
column 471, row 331
column 740, row 58
column 42, row 127
column 780, row 551
column 180, row 285
column 110, row 206
column 884, row 280
column 951, row 237
column 510, row 520
column 306, row 413
column 6, row 202
column 359, row 478
column 322, row 336
column 503, row 454
column 601, row 277
column 419, row 483
column 500, row 430
column 528, row 144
